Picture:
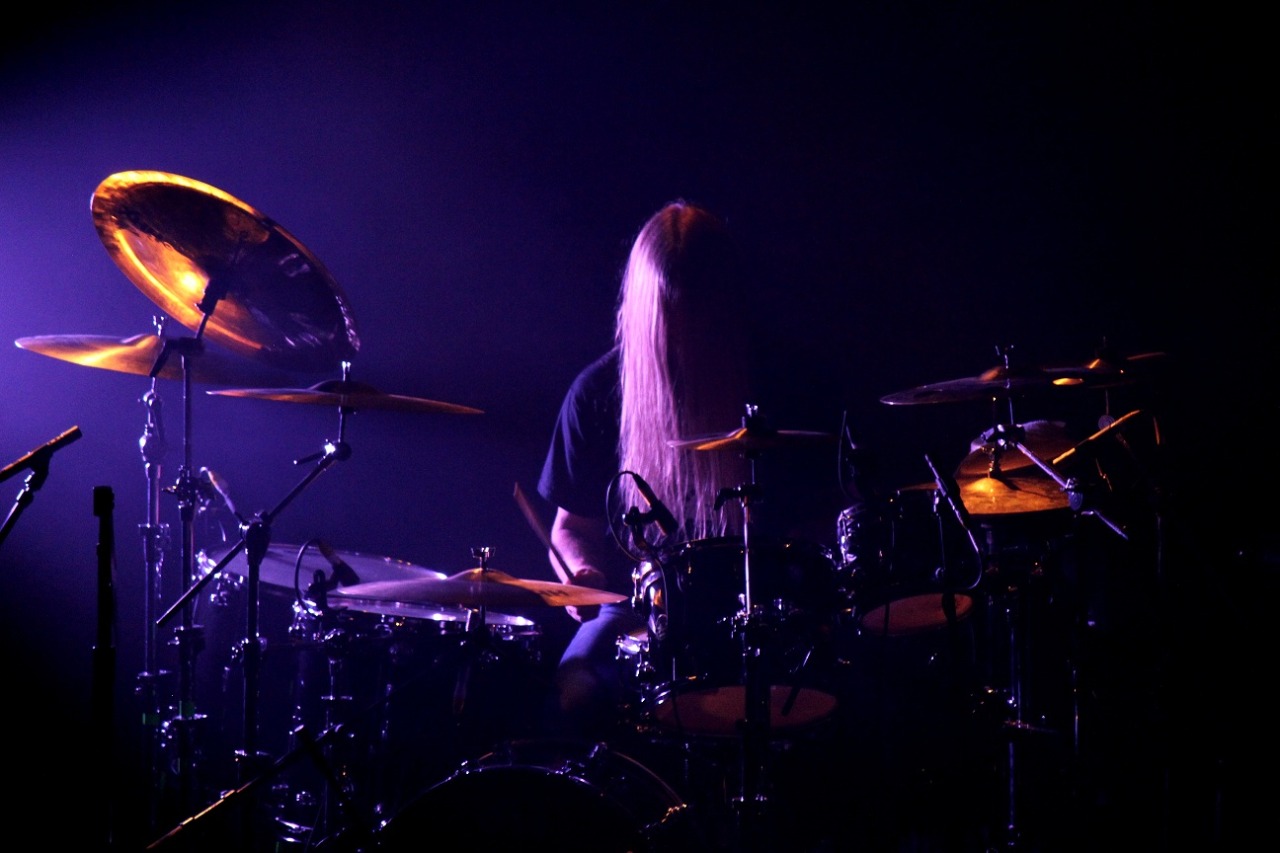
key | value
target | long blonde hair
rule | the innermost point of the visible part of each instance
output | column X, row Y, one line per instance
column 682, row 335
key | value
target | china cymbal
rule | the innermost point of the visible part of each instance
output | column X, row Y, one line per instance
column 751, row 439
column 217, row 265
column 993, row 384
column 138, row 354
column 1011, row 494
column 350, row 395
column 480, row 587
column 278, row 567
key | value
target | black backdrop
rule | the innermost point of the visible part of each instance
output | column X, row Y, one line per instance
column 918, row 184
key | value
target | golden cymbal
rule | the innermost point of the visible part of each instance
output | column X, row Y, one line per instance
column 138, row 354
column 214, row 263
column 480, row 587
column 991, row 452
column 1014, row 493
column 350, row 395
column 1107, row 370
column 751, row 439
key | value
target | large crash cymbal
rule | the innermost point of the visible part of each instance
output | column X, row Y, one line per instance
column 138, row 355
column 210, row 260
column 753, row 439
column 349, row 395
column 480, row 587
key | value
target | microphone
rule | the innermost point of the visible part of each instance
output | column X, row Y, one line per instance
column 947, row 488
column 40, row 455
column 224, row 491
column 342, row 573
column 665, row 520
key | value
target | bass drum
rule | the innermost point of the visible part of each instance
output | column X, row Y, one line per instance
column 693, row 600
column 547, row 794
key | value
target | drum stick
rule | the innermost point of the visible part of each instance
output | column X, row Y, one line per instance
column 542, row 535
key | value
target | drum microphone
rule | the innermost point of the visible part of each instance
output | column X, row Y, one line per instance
column 657, row 509
column 342, row 573
column 219, row 485
column 947, row 488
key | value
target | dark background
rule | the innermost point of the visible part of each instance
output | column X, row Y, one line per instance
column 917, row 184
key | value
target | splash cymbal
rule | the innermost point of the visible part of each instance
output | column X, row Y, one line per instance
column 138, row 355
column 752, row 439
column 481, row 587
column 216, row 264
column 349, row 395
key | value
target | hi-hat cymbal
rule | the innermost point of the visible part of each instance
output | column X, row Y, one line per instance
column 349, row 395
column 213, row 262
column 1011, row 494
column 481, row 587
column 280, row 567
column 751, row 439
column 138, row 354
column 993, row 384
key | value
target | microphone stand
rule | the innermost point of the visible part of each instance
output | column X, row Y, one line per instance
column 255, row 541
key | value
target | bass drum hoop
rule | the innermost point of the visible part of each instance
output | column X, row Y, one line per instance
column 559, row 794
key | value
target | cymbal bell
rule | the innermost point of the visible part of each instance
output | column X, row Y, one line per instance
column 222, row 268
column 138, row 354
column 481, row 587
column 752, row 439
column 349, row 395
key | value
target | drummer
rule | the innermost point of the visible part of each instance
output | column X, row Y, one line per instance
column 679, row 367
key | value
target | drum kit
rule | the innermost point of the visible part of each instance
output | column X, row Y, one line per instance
column 734, row 625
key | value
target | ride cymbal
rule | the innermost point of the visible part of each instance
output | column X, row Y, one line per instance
column 481, row 587
column 138, row 355
column 349, row 395
column 280, row 567
column 220, row 267
column 993, row 384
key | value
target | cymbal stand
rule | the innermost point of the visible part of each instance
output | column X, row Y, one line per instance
column 1012, row 619
column 752, row 799
column 155, row 540
column 255, row 541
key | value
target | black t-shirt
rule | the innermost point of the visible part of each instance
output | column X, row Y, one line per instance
column 582, row 459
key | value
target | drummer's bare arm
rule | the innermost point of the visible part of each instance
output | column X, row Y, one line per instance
column 576, row 538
